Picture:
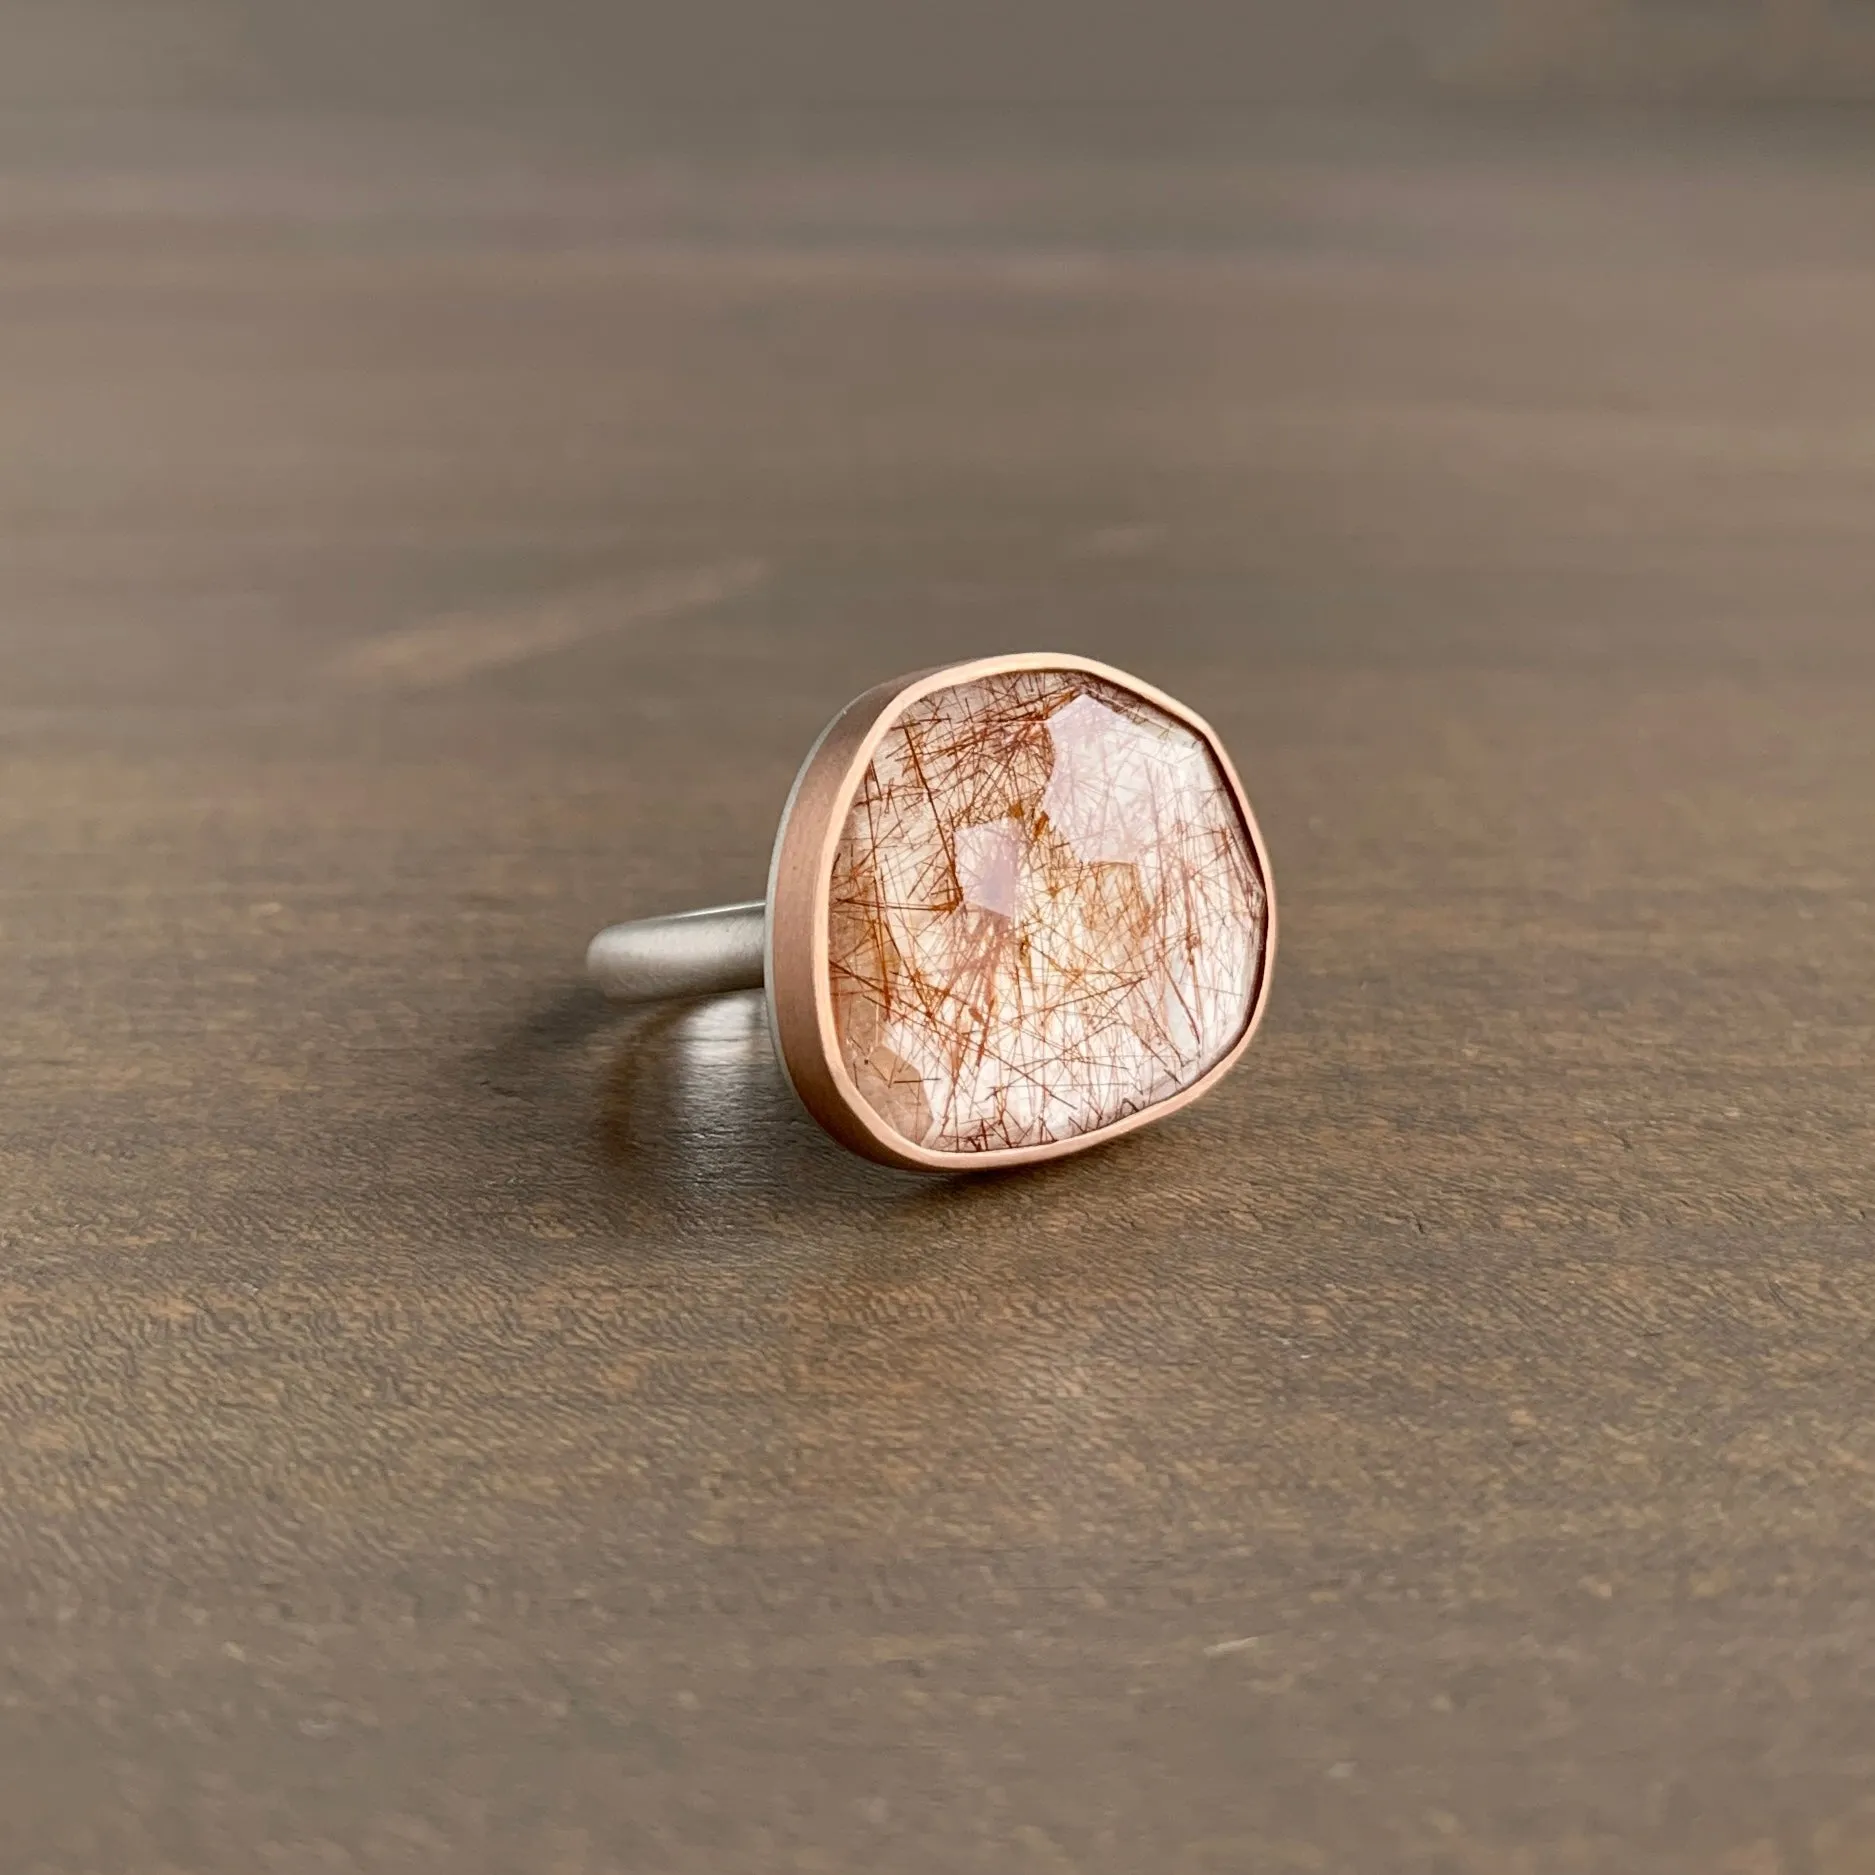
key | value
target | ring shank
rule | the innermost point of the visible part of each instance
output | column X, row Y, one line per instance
column 693, row 953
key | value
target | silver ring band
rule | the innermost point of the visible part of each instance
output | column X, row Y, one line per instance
column 693, row 953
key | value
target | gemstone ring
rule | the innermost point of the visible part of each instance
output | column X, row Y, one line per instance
column 1017, row 907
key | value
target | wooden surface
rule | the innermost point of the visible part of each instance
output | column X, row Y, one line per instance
column 449, row 1427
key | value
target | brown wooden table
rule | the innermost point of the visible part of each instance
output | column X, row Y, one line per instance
column 449, row 1426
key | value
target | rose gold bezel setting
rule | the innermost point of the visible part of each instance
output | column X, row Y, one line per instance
column 800, row 988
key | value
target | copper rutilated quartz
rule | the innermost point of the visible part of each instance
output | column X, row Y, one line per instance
column 1045, row 914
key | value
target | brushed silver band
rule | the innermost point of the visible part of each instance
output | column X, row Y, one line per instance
column 693, row 953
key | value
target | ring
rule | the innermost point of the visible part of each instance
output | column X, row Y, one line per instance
column 1017, row 906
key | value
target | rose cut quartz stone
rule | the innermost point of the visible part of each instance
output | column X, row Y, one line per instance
column 1046, row 913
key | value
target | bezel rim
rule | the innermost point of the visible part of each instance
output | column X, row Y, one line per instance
column 800, row 990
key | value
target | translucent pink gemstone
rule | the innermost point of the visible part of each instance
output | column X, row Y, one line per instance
column 1046, row 913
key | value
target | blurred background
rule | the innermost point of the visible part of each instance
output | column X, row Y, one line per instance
column 573, row 56
column 1346, row 254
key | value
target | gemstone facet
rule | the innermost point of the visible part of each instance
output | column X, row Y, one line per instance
column 1045, row 913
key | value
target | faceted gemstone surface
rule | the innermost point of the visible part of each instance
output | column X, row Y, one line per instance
column 1046, row 913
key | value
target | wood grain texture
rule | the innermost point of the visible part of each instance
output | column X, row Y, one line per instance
column 449, row 1426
